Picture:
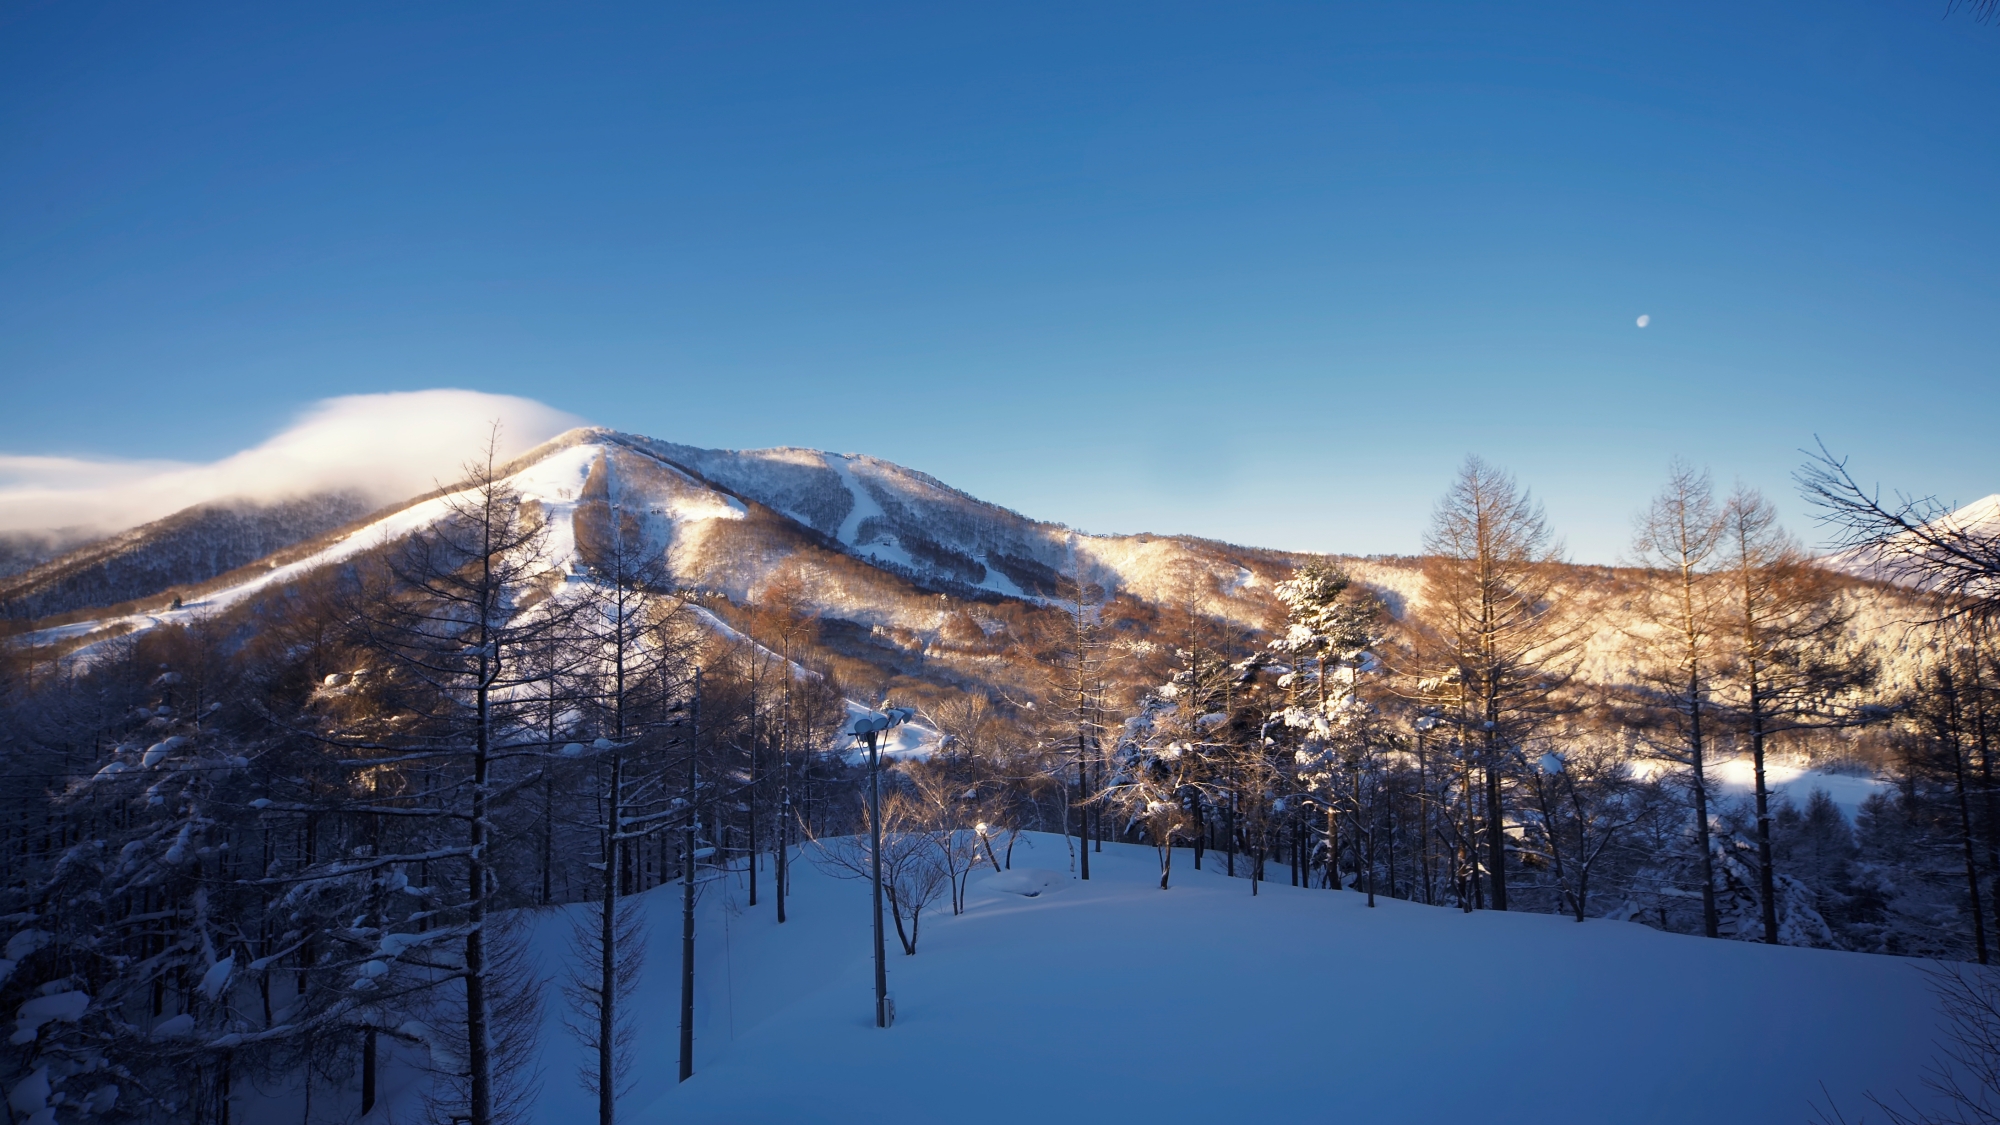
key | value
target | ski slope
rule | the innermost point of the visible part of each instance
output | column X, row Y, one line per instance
column 1113, row 1000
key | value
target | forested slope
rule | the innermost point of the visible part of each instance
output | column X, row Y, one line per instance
column 185, row 548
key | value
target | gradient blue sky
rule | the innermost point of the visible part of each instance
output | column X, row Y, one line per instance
column 1264, row 272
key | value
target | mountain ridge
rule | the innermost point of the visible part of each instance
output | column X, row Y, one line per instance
column 892, row 560
column 188, row 546
column 916, row 506
column 896, row 565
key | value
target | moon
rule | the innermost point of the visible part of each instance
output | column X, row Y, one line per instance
column 1644, row 320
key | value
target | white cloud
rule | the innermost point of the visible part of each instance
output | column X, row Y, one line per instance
column 388, row 446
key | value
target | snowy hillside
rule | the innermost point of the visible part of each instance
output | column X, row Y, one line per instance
column 1113, row 1000
column 874, row 543
column 187, row 547
column 758, row 514
column 919, row 525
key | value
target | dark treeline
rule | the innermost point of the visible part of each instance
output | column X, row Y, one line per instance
column 269, row 849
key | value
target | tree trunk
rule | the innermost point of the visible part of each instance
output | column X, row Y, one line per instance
column 548, row 834
column 875, row 860
column 1424, row 821
column 367, row 1071
column 1767, row 878
column 607, row 937
column 478, row 1030
column 1965, row 834
column 1390, row 828
column 1982, row 738
column 778, row 876
column 1711, row 922
column 688, row 845
column 1333, row 845
column 1083, row 807
column 1496, row 830
column 1370, row 859
column 1329, row 874
column 1229, row 828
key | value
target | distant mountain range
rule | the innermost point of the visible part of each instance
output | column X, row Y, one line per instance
column 895, row 562
column 876, row 543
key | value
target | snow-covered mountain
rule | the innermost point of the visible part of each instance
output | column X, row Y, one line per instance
column 874, row 544
column 883, row 553
column 915, row 524
column 1977, row 521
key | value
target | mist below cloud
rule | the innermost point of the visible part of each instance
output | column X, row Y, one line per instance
column 383, row 446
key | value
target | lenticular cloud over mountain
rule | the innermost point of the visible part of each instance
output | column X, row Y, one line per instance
column 385, row 446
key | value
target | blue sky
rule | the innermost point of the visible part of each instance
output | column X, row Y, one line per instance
column 1264, row 272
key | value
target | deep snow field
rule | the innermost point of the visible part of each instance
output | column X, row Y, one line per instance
column 1113, row 1000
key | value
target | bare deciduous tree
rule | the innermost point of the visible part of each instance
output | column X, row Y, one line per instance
column 1681, row 538
column 1585, row 799
column 914, row 874
column 454, row 613
column 1489, row 621
column 1781, row 617
column 1071, row 654
column 1914, row 540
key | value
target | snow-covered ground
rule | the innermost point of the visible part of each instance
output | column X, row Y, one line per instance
column 1738, row 778
column 910, row 741
column 1113, row 1000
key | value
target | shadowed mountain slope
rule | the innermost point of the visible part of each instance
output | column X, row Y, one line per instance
column 190, row 546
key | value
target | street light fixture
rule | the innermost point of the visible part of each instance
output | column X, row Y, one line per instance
column 871, row 727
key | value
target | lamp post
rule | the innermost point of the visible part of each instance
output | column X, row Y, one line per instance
column 870, row 727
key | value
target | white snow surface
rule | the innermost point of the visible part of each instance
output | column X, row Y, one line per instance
column 67, row 1007
column 911, row 741
column 1738, row 778
column 864, row 505
column 1113, row 1000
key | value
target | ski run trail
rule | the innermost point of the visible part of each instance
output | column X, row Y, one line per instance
column 1112, row 1000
